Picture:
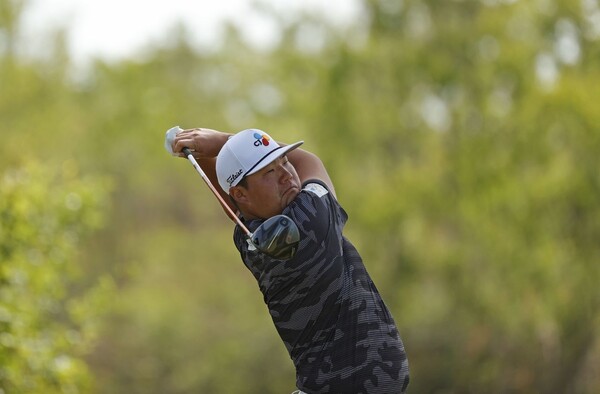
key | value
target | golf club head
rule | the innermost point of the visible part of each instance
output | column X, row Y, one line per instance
column 277, row 237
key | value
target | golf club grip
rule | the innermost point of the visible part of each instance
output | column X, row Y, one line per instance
column 186, row 151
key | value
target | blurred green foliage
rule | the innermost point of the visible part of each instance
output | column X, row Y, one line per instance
column 463, row 139
column 48, row 319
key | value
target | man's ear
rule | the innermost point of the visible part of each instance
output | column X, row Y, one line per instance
column 239, row 194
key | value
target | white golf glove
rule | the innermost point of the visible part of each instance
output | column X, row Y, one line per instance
column 170, row 137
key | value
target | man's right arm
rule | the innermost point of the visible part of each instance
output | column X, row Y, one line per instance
column 309, row 166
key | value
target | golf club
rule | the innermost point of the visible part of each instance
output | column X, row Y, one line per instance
column 277, row 237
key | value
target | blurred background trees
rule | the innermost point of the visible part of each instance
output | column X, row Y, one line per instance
column 463, row 138
column 49, row 309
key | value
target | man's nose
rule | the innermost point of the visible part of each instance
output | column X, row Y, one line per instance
column 284, row 174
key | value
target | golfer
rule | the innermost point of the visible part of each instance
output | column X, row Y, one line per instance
column 337, row 329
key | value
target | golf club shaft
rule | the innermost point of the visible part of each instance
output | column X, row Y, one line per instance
column 230, row 213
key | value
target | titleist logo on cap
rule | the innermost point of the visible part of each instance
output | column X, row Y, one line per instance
column 231, row 178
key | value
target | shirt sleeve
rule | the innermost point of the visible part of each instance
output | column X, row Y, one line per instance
column 318, row 215
column 316, row 212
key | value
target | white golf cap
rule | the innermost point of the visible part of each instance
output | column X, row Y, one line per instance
column 246, row 153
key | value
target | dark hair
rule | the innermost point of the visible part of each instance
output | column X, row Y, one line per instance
column 243, row 183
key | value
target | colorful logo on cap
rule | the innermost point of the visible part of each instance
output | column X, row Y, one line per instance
column 261, row 139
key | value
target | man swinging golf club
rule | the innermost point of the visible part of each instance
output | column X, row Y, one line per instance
column 329, row 314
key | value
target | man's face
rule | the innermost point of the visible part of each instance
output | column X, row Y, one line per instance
column 269, row 190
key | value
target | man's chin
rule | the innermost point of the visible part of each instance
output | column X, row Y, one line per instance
column 290, row 195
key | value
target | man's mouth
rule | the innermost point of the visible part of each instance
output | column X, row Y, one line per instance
column 290, row 194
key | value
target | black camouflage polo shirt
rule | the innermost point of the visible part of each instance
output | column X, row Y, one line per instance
column 337, row 329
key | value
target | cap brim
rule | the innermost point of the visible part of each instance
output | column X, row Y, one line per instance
column 268, row 159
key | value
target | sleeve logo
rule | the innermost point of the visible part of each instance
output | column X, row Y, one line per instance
column 317, row 189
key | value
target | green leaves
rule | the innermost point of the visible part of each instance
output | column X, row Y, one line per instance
column 462, row 138
column 45, row 327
